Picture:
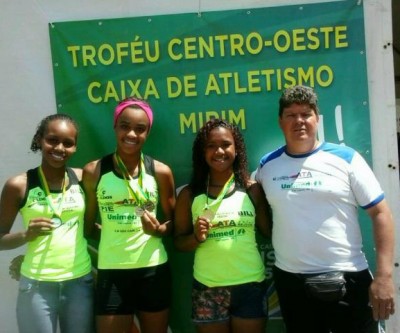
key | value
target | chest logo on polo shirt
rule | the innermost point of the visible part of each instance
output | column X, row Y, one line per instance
column 299, row 175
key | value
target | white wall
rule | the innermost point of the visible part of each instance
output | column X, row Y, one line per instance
column 27, row 90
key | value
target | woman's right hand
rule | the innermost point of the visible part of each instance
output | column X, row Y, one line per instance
column 38, row 227
column 201, row 228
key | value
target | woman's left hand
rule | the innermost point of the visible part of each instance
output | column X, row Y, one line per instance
column 150, row 224
column 15, row 267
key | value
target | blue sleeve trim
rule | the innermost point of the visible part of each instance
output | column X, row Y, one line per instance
column 343, row 152
column 271, row 156
column 374, row 202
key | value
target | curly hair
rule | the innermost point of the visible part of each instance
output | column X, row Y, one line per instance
column 200, row 168
column 298, row 95
column 44, row 124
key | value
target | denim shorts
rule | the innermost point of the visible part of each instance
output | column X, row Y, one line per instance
column 125, row 291
column 43, row 305
column 214, row 304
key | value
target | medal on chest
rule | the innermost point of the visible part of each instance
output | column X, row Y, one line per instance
column 210, row 209
column 56, row 210
column 136, row 189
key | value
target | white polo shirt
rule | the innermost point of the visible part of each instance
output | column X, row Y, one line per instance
column 315, row 199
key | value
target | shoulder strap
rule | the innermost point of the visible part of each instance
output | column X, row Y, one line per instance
column 32, row 181
column 149, row 165
column 73, row 178
column 106, row 164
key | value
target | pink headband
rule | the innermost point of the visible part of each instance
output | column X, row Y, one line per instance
column 143, row 105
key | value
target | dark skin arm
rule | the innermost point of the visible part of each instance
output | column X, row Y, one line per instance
column 166, row 187
column 187, row 236
column 382, row 290
column 91, row 174
column 262, row 207
column 11, row 197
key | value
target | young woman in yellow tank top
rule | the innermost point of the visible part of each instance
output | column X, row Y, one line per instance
column 126, row 187
column 56, row 284
column 216, row 216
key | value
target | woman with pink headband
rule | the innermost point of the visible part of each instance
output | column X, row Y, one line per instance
column 126, row 187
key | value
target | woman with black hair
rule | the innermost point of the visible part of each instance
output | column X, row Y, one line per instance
column 217, row 215
column 56, row 284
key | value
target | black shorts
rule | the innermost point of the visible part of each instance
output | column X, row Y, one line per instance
column 125, row 291
column 303, row 313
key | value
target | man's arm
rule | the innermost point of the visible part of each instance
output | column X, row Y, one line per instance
column 382, row 289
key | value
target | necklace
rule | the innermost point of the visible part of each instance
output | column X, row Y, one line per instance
column 209, row 210
column 138, row 193
column 57, row 211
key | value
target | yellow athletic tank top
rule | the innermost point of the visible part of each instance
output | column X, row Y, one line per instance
column 229, row 256
column 61, row 254
column 123, row 244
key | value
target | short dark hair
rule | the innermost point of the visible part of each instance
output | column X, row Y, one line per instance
column 298, row 95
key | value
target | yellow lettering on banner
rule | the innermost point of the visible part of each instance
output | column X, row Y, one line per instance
column 282, row 41
column 267, row 79
column 221, row 39
column 122, row 51
column 93, row 93
column 253, row 81
column 88, row 54
column 326, row 32
column 190, row 48
column 289, row 76
column 99, row 92
column 312, row 38
column 186, row 86
column 206, row 47
column 110, row 92
column 341, row 36
column 237, row 42
column 172, row 45
column 254, row 43
column 74, row 53
column 239, row 89
column 201, row 47
column 106, row 54
column 298, row 40
column 212, row 85
column 324, row 76
column 196, row 120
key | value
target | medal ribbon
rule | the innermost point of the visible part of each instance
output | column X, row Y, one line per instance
column 57, row 212
column 221, row 194
column 139, row 195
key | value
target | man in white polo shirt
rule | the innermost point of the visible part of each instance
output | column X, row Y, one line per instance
column 315, row 189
